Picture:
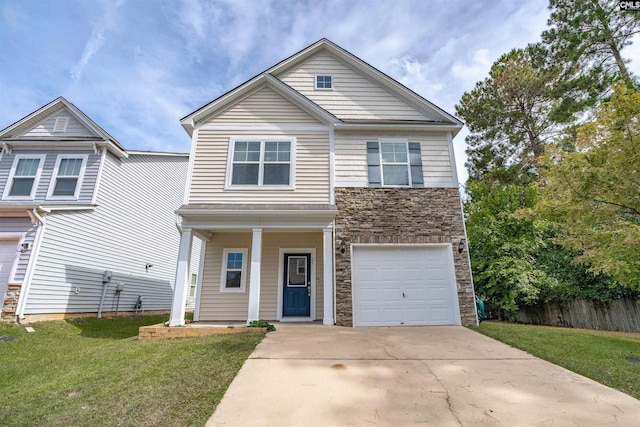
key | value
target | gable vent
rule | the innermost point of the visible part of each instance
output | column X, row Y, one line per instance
column 61, row 124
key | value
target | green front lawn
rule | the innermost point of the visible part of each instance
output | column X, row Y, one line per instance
column 599, row 355
column 95, row 372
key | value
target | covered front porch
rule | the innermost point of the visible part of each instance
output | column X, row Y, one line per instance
column 272, row 262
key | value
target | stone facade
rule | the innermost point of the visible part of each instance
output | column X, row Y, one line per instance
column 8, row 313
column 400, row 215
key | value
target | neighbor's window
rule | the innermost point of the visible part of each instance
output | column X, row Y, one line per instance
column 395, row 163
column 233, row 270
column 192, row 286
column 261, row 163
column 324, row 82
column 67, row 176
column 23, row 178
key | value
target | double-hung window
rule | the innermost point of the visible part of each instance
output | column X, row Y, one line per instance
column 67, row 177
column 193, row 284
column 261, row 163
column 394, row 163
column 23, row 178
column 234, row 269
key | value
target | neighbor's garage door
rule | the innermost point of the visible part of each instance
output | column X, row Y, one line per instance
column 8, row 255
column 403, row 285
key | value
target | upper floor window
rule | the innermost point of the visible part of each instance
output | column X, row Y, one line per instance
column 394, row 163
column 67, row 177
column 23, row 178
column 261, row 163
column 324, row 82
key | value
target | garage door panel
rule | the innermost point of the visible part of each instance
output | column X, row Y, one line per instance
column 403, row 286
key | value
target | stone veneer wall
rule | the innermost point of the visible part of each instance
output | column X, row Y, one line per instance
column 400, row 215
column 8, row 313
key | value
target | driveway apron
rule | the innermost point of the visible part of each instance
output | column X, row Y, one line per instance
column 314, row 375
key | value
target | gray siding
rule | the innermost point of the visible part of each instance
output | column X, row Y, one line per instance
column 88, row 180
column 28, row 230
column 133, row 225
column 45, row 128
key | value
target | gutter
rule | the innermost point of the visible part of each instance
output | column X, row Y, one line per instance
column 36, row 218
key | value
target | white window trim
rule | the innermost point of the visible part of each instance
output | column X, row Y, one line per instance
column 315, row 82
column 54, row 176
column 192, row 285
column 223, row 275
column 36, row 180
column 408, row 164
column 263, row 140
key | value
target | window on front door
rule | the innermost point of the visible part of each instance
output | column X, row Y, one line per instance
column 261, row 164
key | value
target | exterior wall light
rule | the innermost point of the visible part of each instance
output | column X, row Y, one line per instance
column 24, row 247
column 343, row 247
column 461, row 245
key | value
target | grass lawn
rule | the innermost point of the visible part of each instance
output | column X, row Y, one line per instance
column 95, row 372
column 599, row 355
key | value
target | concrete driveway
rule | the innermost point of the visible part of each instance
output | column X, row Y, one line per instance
column 313, row 375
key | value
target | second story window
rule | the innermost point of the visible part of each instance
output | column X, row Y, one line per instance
column 23, row 178
column 394, row 163
column 261, row 163
column 67, row 176
column 324, row 82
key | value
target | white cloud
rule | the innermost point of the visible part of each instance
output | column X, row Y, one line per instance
column 474, row 70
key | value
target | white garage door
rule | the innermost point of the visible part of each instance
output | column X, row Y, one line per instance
column 8, row 255
column 404, row 285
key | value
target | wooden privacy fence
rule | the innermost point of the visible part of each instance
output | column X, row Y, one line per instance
column 617, row 315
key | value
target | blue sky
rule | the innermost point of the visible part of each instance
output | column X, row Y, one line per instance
column 137, row 66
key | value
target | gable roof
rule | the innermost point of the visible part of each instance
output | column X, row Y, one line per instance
column 387, row 82
column 247, row 88
column 12, row 132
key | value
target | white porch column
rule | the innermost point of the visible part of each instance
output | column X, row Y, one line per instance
column 327, row 252
column 203, row 251
column 254, row 276
column 182, row 271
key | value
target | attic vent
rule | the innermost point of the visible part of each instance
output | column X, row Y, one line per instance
column 61, row 124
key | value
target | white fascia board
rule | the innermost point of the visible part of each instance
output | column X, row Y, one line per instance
column 67, row 143
column 157, row 153
column 399, row 126
column 292, row 213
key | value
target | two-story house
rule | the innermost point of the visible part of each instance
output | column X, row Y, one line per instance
column 86, row 226
column 325, row 190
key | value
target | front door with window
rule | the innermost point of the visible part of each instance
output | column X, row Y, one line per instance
column 296, row 301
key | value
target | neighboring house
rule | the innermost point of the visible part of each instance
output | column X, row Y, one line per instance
column 80, row 216
column 325, row 190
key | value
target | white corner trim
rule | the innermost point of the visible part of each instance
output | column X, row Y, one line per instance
column 192, row 160
column 332, row 166
column 452, row 159
column 96, row 187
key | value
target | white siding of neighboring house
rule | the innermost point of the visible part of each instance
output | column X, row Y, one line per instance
column 233, row 306
column 262, row 107
column 354, row 96
column 45, row 127
column 20, row 225
column 351, row 156
column 133, row 225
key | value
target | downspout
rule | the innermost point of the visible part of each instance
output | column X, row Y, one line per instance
column 37, row 219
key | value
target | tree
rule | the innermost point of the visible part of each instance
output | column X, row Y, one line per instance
column 587, row 38
column 593, row 194
column 503, row 245
column 511, row 117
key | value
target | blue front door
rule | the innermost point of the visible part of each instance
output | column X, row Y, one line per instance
column 296, row 300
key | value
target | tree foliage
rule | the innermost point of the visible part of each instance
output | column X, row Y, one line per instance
column 593, row 194
column 510, row 115
column 587, row 36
